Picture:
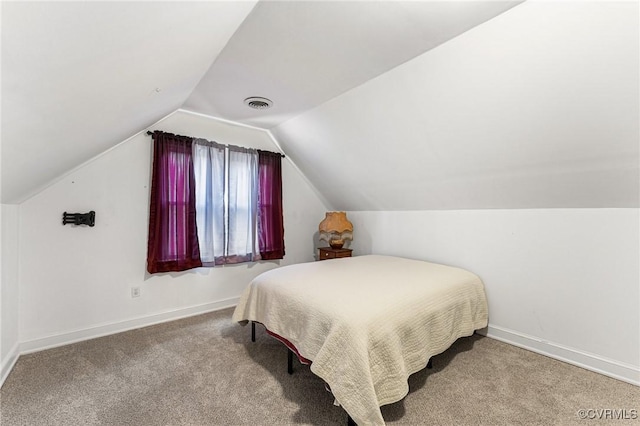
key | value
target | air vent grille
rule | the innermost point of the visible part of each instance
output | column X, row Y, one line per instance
column 258, row 103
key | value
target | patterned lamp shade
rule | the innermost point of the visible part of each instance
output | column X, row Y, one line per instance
column 336, row 229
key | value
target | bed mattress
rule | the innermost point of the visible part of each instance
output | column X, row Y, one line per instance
column 367, row 322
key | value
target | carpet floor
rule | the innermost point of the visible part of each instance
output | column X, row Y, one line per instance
column 205, row 370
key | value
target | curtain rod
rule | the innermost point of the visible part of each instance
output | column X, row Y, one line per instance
column 150, row 133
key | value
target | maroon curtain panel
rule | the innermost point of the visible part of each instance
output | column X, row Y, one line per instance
column 173, row 237
column 270, row 222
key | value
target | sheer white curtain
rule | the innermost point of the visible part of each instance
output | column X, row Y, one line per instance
column 226, row 202
column 242, row 201
column 209, row 170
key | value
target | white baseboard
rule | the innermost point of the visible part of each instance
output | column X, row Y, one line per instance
column 9, row 361
column 608, row 367
column 67, row 338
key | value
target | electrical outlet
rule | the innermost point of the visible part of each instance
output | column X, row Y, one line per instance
column 135, row 291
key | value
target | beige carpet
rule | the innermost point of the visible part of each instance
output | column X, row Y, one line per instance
column 204, row 370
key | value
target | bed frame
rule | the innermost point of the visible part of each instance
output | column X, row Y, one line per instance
column 290, row 354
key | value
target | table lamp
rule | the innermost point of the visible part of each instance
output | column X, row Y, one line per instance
column 336, row 229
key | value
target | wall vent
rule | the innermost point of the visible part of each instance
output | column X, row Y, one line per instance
column 258, row 103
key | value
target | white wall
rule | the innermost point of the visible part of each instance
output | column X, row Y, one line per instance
column 75, row 282
column 565, row 282
column 9, row 291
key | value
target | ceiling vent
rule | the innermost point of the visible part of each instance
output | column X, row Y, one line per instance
column 258, row 103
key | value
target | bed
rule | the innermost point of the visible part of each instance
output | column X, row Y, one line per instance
column 366, row 323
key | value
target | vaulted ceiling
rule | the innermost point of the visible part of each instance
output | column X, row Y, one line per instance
column 301, row 54
column 383, row 105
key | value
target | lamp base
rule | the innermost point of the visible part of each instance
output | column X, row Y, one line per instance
column 336, row 244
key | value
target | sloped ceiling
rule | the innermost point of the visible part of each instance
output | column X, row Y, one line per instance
column 383, row 105
column 81, row 77
column 300, row 54
column 537, row 108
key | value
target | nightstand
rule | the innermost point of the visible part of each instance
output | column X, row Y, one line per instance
column 331, row 253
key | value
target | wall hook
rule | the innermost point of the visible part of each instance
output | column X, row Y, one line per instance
column 79, row 218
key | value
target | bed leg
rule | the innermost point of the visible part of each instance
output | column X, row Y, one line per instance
column 253, row 331
column 289, row 361
column 430, row 364
column 350, row 421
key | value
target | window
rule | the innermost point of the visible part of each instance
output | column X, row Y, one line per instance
column 209, row 170
column 226, row 202
column 213, row 204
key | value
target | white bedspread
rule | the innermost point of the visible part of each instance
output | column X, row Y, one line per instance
column 367, row 322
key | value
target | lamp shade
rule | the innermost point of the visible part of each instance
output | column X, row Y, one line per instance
column 336, row 229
